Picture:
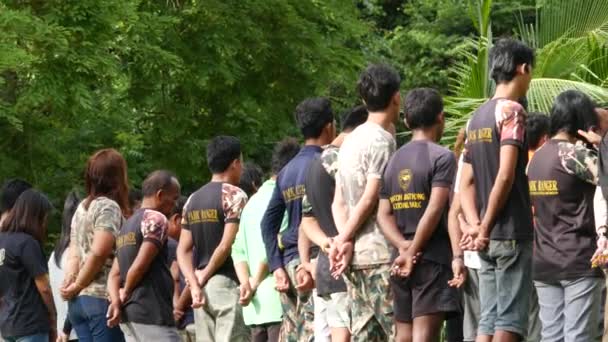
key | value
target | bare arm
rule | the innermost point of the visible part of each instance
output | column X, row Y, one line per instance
column 221, row 253
column 501, row 189
column 185, row 299
column 430, row 219
column 101, row 249
column 72, row 263
column 242, row 271
column 454, row 226
column 310, row 227
column 388, row 225
column 44, row 288
column 113, row 315
column 261, row 274
column 304, row 245
column 175, row 275
column 184, row 257
column 339, row 209
column 139, row 267
column 114, row 282
column 467, row 195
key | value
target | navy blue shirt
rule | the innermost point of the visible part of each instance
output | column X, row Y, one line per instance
column 287, row 195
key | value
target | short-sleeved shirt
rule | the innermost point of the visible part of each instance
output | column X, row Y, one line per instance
column 320, row 187
column 102, row 214
column 364, row 155
column 411, row 174
column 497, row 123
column 22, row 310
column 563, row 178
column 151, row 301
column 265, row 306
column 206, row 213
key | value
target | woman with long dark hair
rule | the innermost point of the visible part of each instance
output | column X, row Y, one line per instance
column 27, row 313
column 562, row 178
column 57, row 263
column 95, row 226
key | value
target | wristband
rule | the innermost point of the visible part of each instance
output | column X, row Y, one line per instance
column 456, row 257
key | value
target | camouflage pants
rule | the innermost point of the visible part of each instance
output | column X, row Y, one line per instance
column 371, row 303
column 298, row 310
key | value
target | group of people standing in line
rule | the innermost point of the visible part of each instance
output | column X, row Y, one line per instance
column 349, row 239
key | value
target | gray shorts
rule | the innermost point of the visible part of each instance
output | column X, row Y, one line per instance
column 505, row 282
column 136, row 332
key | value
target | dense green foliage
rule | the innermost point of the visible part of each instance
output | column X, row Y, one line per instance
column 155, row 79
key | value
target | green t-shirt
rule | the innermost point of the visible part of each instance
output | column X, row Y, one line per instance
column 265, row 306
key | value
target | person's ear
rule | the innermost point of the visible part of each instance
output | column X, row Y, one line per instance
column 441, row 117
column 159, row 196
column 397, row 99
column 523, row 69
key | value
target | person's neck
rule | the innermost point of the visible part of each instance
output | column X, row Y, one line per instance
column 339, row 139
column 383, row 119
column 425, row 134
column 564, row 136
column 315, row 142
column 274, row 177
column 508, row 91
column 223, row 177
column 148, row 203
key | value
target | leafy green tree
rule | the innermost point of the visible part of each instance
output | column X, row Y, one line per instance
column 156, row 79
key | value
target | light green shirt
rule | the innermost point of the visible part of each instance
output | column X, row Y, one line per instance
column 265, row 306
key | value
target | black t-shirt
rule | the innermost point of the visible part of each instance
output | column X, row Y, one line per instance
column 409, row 177
column 562, row 193
column 22, row 310
column 206, row 213
column 496, row 123
column 152, row 299
column 320, row 187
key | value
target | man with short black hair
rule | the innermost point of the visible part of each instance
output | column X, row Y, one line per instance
column 315, row 119
column 495, row 197
column 413, row 216
column 11, row 190
column 537, row 132
column 264, row 312
column 361, row 162
column 140, row 283
column 210, row 223
column 332, row 304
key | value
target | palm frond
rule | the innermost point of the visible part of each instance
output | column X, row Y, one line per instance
column 544, row 90
column 571, row 19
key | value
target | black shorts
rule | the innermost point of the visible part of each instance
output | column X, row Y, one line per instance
column 424, row 292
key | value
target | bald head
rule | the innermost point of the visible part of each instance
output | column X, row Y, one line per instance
column 157, row 181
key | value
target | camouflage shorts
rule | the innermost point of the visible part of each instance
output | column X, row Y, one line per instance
column 371, row 303
column 298, row 310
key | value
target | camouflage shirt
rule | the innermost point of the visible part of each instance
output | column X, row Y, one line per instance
column 103, row 214
column 364, row 155
column 579, row 161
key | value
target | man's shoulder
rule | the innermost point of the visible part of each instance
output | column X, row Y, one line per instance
column 233, row 191
column 329, row 160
